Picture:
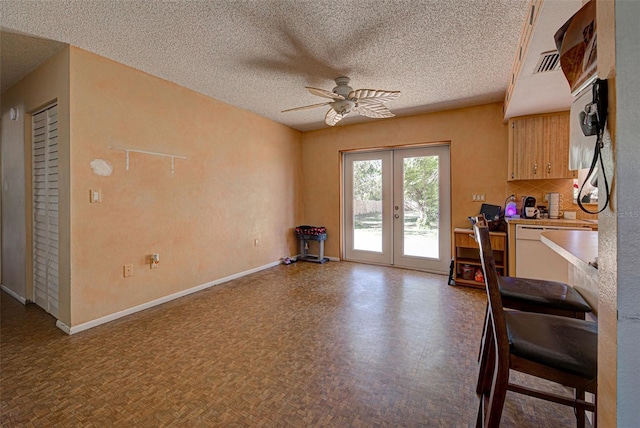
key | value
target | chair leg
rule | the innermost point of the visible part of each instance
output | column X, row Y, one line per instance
column 493, row 383
column 487, row 361
column 497, row 396
column 484, row 331
column 580, row 413
column 480, row 416
column 595, row 412
column 483, row 368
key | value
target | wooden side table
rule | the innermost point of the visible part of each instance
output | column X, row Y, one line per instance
column 467, row 256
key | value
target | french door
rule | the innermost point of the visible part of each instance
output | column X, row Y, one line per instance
column 397, row 208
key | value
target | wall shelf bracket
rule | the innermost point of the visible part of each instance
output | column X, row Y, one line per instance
column 146, row 152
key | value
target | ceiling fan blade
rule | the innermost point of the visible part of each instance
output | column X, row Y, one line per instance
column 367, row 96
column 332, row 117
column 377, row 110
column 323, row 93
column 306, row 107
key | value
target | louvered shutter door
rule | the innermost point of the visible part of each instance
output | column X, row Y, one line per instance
column 45, row 209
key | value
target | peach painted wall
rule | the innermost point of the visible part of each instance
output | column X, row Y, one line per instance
column 43, row 86
column 241, row 182
column 478, row 149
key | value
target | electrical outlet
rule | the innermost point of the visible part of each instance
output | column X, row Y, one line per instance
column 128, row 271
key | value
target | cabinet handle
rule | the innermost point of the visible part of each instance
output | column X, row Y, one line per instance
column 535, row 168
column 549, row 168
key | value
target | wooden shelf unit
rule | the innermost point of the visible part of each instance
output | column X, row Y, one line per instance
column 468, row 253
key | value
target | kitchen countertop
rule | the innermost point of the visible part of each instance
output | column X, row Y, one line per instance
column 593, row 224
column 579, row 247
column 512, row 223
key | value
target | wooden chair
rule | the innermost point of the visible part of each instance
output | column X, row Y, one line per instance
column 541, row 296
column 559, row 349
column 533, row 295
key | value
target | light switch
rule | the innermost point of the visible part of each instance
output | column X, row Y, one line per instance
column 95, row 196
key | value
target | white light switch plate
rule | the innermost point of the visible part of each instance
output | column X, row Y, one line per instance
column 95, row 196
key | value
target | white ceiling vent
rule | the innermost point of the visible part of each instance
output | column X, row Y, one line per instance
column 549, row 61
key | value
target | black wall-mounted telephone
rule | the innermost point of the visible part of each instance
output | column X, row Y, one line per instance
column 593, row 121
column 593, row 118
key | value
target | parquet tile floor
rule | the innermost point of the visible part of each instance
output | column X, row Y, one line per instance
column 334, row 345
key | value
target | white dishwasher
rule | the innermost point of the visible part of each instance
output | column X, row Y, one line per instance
column 536, row 260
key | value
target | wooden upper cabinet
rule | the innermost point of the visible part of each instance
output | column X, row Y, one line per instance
column 527, row 147
column 539, row 147
column 556, row 146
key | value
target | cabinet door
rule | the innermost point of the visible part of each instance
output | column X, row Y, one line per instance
column 527, row 147
column 556, row 147
column 539, row 147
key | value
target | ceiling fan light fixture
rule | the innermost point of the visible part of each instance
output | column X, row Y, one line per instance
column 343, row 107
column 365, row 102
column 342, row 87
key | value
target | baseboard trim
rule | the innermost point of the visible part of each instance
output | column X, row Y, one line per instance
column 13, row 294
column 112, row 317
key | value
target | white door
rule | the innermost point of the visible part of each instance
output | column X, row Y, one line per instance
column 45, row 208
column 368, row 189
column 397, row 208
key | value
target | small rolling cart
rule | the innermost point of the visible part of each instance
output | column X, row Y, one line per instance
column 312, row 233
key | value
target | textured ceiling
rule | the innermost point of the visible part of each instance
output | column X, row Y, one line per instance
column 260, row 54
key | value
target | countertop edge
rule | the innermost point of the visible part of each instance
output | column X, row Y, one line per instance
column 551, row 240
column 552, row 222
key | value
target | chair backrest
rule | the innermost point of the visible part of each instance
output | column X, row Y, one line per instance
column 490, row 274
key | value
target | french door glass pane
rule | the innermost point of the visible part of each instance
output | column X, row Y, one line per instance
column 367, row 205
column 421, row 206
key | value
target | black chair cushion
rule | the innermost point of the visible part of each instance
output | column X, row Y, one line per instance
column 563, row 343
column 546, row 293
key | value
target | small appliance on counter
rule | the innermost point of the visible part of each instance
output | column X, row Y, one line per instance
column 544, row 213
column 555, row 201
column 529, row 209
column 510, row 207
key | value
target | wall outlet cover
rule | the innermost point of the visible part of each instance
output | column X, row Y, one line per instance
column 128, row 271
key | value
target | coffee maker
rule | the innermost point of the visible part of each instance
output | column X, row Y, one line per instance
column 529, row 207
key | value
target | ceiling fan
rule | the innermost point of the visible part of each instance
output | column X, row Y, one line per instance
column 365, row 102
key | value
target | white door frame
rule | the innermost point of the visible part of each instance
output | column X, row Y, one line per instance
column 360, row 255
column 393, row 228
column 442, row 262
